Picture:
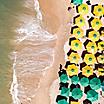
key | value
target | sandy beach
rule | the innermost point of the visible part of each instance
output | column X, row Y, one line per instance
column 34, row 86
column 39, row 54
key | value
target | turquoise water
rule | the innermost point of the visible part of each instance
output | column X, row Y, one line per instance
column 9, row 12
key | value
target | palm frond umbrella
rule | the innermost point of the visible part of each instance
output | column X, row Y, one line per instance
column 92, row 95
column 101, row 45
column 77, row 32
column 100, row 58
column 89, row 59
column 75, row 79
column 76, row 45
column 93, row 35
column 72, row 70
column 79, row 21
column 65, row 91
column 76, row 2
column 77, row 93
column 83, row 9
column 96, row 23
column 101, row 71
column 95, row 83
column 91, row 47
column 62, row 101
column 74, row 57
column 98, row 10
column 87, row 71
column 84, row 81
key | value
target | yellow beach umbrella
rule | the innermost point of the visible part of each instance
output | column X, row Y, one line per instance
column 89, row 59
column 94, row 35
column 100, row 58
column 87, row 71
column 83, row 9
column 91, row 47
column 76, row 45
column 78, row 32
column 74, row 57
column 73, row 102
column 80, row 21
column 98, row 10
column 101, row 71
column 101, row 45
column 96, row 23
column 72, row 70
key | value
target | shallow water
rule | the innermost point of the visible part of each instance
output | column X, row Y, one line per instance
column 9, row 11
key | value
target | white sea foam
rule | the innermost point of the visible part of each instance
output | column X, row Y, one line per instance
column 37, row 8
column 14, row 85
column 33, row 31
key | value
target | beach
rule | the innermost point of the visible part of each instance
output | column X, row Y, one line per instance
column 40, row 50
column 37, row 47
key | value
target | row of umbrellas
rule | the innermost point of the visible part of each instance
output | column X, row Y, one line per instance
column 90, row 33
column 88, row 58
column 83, row 9
column 86, row 70
column 77, row 94
column 95, row 83
column 91, row 47
column 95, row 23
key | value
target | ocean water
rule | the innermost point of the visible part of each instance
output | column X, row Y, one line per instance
column 33, row 53
column 9, row 11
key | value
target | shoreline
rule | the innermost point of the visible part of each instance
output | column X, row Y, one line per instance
column 48, row 76
column 14, row 85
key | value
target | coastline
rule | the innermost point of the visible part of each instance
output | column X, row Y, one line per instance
column 62, row 34
column 33, row 86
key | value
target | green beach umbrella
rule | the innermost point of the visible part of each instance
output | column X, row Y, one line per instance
column 84, row 81
column 64, row 78
column 77, row 93
column 75, row 79
column 92, row 95
column 95, row 83
column 65, row 91
column 62, row 101
column 76, row 2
